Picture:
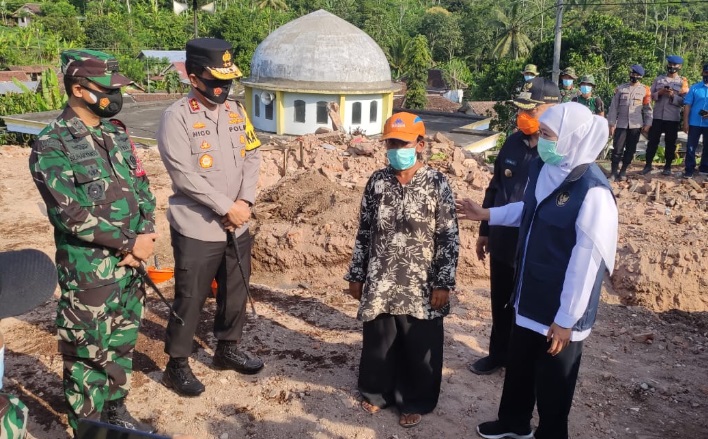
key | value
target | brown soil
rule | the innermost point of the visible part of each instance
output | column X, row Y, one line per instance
column 644, row 369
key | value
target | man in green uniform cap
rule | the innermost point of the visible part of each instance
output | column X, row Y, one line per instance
column 568, row 89
column 99, row 202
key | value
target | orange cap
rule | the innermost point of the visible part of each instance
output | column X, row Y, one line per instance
column 404, row 126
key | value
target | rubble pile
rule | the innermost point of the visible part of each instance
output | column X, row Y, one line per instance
column 662, row 244
column 311, row 186
column 310, row 189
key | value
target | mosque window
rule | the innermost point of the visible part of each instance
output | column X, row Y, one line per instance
column 300, row 111
column 373, row 111
column 356, row 113
column 322, row 112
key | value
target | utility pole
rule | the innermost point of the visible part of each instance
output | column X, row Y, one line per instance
column 196, row 28
column 557, row 41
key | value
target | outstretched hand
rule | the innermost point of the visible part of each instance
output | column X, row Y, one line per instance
column 468, row 209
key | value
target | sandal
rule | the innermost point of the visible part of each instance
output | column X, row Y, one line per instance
column 369, row 407
column 408, row 420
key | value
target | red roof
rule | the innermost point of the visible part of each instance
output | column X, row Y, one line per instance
column 7, row 76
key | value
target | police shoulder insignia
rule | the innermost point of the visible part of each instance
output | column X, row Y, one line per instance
column 562, row 199
column 194, row 105
column 199, row 125
column 206, row 161
column 205, row 145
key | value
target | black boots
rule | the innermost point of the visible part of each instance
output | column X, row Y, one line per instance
column 228, row 356
column 647, row 169
column 115, row 413
column 178, row 376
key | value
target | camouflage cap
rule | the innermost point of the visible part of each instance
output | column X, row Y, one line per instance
column 588, row 79
column 569, row 71
column 93, row 65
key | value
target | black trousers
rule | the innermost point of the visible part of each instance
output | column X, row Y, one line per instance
column 197, row 263
column 670, row 130
column 534, row 376
column 401, row 362
column 501, row 277
column 624, row 146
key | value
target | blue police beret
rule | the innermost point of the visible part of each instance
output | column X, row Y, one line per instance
column 674, row 59
column 638, row 69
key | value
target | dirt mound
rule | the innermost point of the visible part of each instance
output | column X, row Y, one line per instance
column 663, row 243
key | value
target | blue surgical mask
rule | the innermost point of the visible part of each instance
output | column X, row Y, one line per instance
column 585, row 89
column 2, row 365
column 401, row 158
column 547, row 151
column 567, row 82
column 528, row 77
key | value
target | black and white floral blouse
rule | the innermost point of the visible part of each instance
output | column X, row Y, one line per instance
column 407, row 244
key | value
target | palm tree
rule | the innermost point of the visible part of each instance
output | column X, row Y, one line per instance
column 273, row 4
column 513, row 41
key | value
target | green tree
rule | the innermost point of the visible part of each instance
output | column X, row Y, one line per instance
column 418, row 62
column 442, row 29
column 512, row 42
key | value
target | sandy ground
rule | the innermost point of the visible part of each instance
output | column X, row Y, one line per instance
column 644, row 372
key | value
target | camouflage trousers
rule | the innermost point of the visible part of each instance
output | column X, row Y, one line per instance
column 97, row 330
column 13, row 417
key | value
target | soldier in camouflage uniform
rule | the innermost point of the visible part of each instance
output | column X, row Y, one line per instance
column 99, row 202
column 568, row 89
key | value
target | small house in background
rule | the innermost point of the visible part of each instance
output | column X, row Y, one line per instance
column 175, row 59
column 305, row 66
column 437, row 85
column 11, row 87
column 34, row 73
column 25, row 13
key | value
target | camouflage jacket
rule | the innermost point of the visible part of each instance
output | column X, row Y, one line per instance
column 567, row 94
column 13, row 417
column 97, row 195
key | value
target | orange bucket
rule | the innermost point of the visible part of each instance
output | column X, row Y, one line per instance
column 159, row 275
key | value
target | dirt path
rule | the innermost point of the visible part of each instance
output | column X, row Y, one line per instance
column 311, row 341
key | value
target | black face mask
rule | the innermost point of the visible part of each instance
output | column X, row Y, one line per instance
column 104, row 104
column 634, row 79
column 705, row 79
column 672, row 69
column 217, row 90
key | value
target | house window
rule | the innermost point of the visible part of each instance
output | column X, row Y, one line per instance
column 356, row 113
column 300, row 111
column 322, row 112
column 269, row 111
column 256, row 105
column 373, row 111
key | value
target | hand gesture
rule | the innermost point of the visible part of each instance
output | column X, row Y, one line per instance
column 129, row 260
column 355, row 289
column 439, row 298
column 144, row 246
column 558, row 337
column 237, row 216
column 482, row 247
column 468, row 209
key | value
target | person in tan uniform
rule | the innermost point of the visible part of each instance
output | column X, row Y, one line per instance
column 630, row 114
column 210, row 150
column 667, row 91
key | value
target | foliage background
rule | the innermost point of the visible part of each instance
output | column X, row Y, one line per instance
column 483, row 43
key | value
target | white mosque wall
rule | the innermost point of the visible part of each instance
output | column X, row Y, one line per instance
column 364, row 112
column 263, row 116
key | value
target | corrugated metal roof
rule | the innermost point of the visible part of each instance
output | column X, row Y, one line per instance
column 171, row 55
column 10, row 87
